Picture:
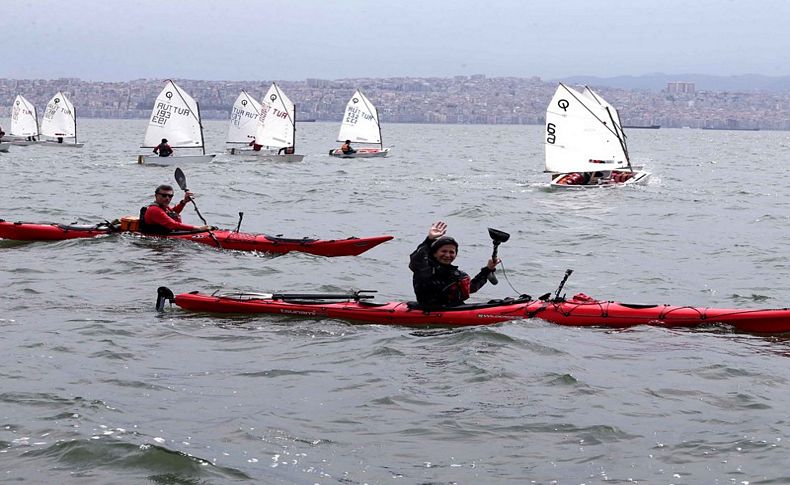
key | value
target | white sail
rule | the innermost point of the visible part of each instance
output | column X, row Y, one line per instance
column 276, row 124
column 580, row 136
column 360, row 121
column 243, row 119
column 59, row 119
column 24, row 121
column 612, row 111
column 175, row 117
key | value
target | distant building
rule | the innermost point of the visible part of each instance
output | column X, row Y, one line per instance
column 680, row 88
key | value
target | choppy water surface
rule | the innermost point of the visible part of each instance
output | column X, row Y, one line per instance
column 99, row 388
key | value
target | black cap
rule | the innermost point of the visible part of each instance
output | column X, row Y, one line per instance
column 443, row 241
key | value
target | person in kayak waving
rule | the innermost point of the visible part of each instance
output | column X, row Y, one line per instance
column 161, row 218
column 436, row 281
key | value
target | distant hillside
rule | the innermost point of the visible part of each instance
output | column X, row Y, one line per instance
column 703, row 82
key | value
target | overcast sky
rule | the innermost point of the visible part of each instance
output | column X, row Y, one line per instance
column 108, row 40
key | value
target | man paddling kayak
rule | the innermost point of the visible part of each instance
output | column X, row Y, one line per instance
column 436, row 281
column 160, row 218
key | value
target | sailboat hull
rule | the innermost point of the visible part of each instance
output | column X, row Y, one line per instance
column 24, row 143
column 572, row 181
column 4, row 146
column 158, row 161
column 265, row 156
column 50, row 143
column 249, row 152
column 361, row 153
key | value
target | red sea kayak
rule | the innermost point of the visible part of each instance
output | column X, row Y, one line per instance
column 25, row 231
column 578, row 311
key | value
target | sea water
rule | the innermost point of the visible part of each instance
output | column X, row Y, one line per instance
column 97, row 387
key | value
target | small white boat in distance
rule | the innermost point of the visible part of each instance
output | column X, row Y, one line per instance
column 175, row 117
column 276, row 128
column 585, row 143
column 360, row 125
column 5, row 146
column 60, row 122
column 24, row 122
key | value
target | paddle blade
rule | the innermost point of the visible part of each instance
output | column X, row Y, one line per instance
column 498, row 236
column 181, row 179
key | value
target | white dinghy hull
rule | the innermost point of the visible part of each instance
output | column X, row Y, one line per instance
column 361, row 153
column 265, row 155
column 4, row 146
column 25, row 143
column 65, row 144
column 158, row 161
column 568, row 181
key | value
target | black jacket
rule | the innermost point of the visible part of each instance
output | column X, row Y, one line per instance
column 441, row 284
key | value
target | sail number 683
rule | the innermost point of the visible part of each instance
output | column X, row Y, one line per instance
column 550, row 131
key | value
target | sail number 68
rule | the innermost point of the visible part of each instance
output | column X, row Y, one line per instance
column 550, row 130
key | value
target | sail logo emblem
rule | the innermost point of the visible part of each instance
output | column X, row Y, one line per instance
column 355, row 100
column 244, row 102
column 56, row 100
column 273, row 97
column 563, row 104
column 169, row 94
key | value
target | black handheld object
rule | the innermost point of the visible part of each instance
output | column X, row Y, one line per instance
column 498, row 237
column 182, row 182
column 163, row 295
column 568, row 272
column 181, row 179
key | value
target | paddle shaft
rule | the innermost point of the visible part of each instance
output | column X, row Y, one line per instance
column 182, row 182
column 491, row 276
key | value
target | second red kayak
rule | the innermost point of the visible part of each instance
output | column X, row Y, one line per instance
column 239, row 241
column 578, row 311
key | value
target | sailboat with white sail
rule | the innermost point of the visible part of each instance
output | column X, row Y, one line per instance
column 276, row 127
column 60, row 122
column 175, row 118
column 243, row 124
column 24, row 122
column 585, row 142
column 360, row 125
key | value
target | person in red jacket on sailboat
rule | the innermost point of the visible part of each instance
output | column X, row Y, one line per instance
column 163, row 149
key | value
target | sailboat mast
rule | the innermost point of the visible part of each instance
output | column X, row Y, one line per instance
column 378, row 123
column 621, row 137
column 35, row 117
column 200, row 123
column 293, row 141
column 74, row 115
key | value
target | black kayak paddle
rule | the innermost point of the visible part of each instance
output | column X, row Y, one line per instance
column 181, row 179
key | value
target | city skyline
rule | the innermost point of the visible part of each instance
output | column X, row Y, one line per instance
column 460, row 99
column 285, row 40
